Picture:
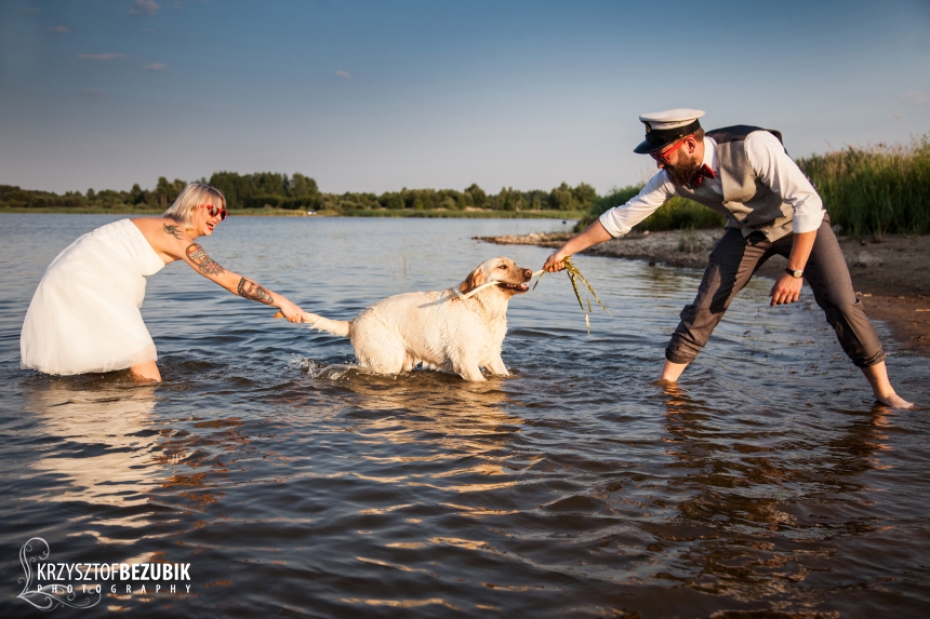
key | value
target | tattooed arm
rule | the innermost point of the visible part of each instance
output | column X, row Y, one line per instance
column 198, row 259
column 251, row 290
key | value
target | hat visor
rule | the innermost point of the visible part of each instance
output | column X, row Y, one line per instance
column 645, row 147
column 657, row 139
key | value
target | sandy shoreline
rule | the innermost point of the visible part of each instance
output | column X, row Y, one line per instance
column 890, row 273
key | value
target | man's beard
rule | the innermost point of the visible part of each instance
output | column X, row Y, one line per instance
column 681, row 172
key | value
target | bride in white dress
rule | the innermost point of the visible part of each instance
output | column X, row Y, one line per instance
column 84, row 316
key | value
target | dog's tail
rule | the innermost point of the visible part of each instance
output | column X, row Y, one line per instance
column 336, row 327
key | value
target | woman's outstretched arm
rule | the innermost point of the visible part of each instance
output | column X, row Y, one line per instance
column 197, row 258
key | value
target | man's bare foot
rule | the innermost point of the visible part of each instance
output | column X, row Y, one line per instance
column 877, row 375
column 895, row 401
column 671, row 372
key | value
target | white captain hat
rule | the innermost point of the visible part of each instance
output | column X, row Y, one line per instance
column 663, row 128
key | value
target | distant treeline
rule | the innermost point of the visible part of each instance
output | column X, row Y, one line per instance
column 874, row 190
column 280, row 191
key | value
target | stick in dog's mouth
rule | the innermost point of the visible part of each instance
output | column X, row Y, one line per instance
column 524, row 287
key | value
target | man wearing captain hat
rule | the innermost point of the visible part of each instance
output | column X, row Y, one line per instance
column 771, row 208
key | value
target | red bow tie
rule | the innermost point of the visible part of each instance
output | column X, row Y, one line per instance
column 698, row 179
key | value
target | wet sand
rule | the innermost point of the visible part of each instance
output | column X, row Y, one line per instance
column 890, row 272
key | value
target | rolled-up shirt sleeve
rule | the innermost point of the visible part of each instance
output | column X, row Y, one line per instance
column 776, row 169
column 620, row 219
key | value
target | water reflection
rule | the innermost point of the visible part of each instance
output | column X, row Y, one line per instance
column 447, row 432
column 104, row 441
column 759, row 508
column 573, row 489
column 110, row 449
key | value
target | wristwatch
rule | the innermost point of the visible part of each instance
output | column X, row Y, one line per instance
column 795, row 273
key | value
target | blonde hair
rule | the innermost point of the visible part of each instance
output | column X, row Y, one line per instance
column 193, row 196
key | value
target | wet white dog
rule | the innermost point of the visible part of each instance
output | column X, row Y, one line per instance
column 458, row 330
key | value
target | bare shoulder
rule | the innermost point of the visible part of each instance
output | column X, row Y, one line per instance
column 148, row 224
column 166, row 236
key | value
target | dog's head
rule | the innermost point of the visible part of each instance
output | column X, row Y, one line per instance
column 510, row 278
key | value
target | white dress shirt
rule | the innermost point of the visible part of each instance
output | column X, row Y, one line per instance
column 769, row 161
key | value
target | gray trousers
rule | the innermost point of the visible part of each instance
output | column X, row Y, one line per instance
column 733, row 262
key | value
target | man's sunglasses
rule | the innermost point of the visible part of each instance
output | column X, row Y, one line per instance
column 663, row 157
column 216, row 210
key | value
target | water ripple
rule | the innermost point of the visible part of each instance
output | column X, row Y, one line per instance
column 296, row 484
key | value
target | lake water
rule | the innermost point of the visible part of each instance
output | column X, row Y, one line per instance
column 767, row 485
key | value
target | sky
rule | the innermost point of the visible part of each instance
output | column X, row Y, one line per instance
column 376, row 96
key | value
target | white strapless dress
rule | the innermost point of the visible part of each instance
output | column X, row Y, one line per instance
column 84, row 316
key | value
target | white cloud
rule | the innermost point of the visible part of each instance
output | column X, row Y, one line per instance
column 62, row 29
column 155, row 66
column 343, row 75
column 916, row 97
column 145, row 7
column 100, row 57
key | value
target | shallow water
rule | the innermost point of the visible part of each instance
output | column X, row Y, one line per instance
column 294, row 485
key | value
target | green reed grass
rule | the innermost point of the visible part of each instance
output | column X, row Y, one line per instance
column 676, row 214
column 575, row 276
column 875, row 190
column 682, row 214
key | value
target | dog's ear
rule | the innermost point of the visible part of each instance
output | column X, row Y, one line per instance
column 474, row 279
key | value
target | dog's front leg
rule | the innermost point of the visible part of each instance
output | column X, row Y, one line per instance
column 497, row 367
column 469, row 371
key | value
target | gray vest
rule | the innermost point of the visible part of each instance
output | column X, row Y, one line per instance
column 747, row 203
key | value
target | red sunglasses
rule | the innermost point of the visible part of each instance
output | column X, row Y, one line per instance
column 216, row 210
column 663, row 157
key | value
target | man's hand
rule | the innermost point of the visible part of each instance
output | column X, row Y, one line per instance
column 786, row 289
column 593, row 234
column 555, row 262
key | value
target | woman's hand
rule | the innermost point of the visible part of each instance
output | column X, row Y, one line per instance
column 291, row 311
